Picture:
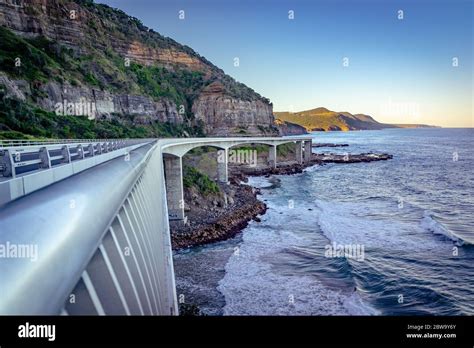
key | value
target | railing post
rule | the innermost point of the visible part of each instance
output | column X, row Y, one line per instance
column 80, row 152
column 66, row 154
column 90, row 148
column 44, row 158
column 99, row 148
column 6, row 164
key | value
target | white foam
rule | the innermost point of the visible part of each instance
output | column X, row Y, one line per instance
column 251, row 286
column 348, row 223
column 312, row 168
column 259, row 182
column 430, row 224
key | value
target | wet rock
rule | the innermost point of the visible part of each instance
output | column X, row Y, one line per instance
column 212, row 221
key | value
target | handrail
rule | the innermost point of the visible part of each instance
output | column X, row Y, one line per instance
column 30, row 157
column 26, row 142
column 65, row 235
column 81, row 227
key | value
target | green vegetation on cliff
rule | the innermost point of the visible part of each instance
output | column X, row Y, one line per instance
column 34, row 64
column 21, row 120
column 103, row 49
column 324, row 119
column 39, row 60
column 194, row 178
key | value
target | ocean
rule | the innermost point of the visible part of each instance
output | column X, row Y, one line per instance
column 382, row 238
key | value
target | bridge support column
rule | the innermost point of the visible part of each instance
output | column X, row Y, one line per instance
column 307, row 151
column 222, row 166
column 174, row 187
column 272, row 156
column 299, row 152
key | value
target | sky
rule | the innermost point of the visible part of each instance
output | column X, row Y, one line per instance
column 360, row 56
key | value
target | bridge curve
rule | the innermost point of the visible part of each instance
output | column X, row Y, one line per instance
column 84, row 225
column 180, row 147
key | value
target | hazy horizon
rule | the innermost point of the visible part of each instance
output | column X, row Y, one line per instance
column 358, row 57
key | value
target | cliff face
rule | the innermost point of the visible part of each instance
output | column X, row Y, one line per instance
column 75, row 23
column 288, row 128
column 103, row 104
column 223, row 115
column 85, row 51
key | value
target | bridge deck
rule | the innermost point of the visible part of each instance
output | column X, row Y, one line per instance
column 93, row 228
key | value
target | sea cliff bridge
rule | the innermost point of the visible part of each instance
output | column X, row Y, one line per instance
column 84, row 224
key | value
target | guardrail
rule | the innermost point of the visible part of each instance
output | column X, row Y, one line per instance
column 24, row 169
column 98, row 242
column 95, row 244
column 19, row 157
column 26, row 142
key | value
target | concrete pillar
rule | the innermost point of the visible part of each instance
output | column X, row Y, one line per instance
column 307, row 151
column 272, row 156
column 174, row 187
column 222, row 166
column 299, row 152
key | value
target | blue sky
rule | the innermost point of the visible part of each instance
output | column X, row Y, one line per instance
column 400, row 71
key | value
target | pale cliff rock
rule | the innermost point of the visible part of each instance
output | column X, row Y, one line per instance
column 224, row 115
column 144, row 110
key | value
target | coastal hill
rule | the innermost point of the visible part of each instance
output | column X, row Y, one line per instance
column 58, row 54
column 322, row 119
column 289, row 128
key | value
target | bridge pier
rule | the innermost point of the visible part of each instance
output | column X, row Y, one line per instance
column 272, row 156
column 174, row 186
column 222, row 166
column 307, row 151
column 299, row 152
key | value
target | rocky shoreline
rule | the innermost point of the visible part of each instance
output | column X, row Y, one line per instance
column 216, row 226
column 241, row 203
column 329, row 145
column 346, row 158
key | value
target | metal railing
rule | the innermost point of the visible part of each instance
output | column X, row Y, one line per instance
column 25, row 169
column 97, row 242
column 19, row 157
column 101, row 239
column 27, row 142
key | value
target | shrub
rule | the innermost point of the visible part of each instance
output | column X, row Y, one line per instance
column 194, row 178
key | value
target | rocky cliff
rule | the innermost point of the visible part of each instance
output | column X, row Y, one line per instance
column 224, row 115
column 60, row 53
column 288, row 128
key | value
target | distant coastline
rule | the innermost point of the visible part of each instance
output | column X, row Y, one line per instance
column 322, row 119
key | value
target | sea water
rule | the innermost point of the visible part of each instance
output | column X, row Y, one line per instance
column 382, row 238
